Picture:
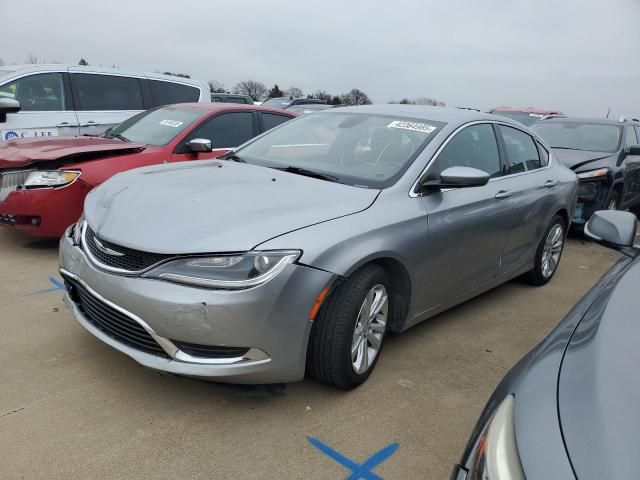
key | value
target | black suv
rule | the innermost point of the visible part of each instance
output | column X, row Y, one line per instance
column 286, row 102
column 604, row 154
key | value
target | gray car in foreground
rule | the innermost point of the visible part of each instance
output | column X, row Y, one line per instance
column 569, row 408
column 303, row 248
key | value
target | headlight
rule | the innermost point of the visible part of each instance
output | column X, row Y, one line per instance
column 601, row 172
column 226, row 271
column 51, row 178
column 496, row 455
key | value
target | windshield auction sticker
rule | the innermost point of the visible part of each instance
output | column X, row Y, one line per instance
column 170, row 123
column 417, row 127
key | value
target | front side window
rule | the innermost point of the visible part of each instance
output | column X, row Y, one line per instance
column 593, row 137
column 165, row 93
column 226, row 130
column 106, row 92
column 630, row 137
column 156, row 127
column 43, row 92
column 475, row 147
column 359, row 149
column 522, row 153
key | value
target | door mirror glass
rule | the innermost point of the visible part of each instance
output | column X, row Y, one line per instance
column 614, row 228
column 200, row 145
column 458, row 177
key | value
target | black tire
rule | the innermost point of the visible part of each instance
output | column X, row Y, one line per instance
column 535, row 276
column 614, row 199
column 329, row 349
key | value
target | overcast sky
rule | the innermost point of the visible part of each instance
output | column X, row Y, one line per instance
column 581, row 56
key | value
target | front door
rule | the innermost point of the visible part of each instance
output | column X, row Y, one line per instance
column 46, row 107
column 631, row 165
column 467, row 227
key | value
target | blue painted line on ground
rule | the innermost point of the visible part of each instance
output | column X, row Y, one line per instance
column 57, row 285
column 358, row 471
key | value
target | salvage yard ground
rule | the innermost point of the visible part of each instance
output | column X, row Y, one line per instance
column 71, row 407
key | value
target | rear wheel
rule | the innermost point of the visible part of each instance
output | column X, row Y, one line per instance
column 548, row 253
column 347, row 335
column 614, row 201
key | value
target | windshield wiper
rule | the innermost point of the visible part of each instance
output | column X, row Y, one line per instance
column 309, row 173
column 119, row 137
column 232, row 156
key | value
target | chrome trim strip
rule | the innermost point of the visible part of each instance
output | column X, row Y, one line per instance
column 253, row 355
column 414, row 187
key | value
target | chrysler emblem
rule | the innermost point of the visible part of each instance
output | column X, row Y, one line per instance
column 106, row 250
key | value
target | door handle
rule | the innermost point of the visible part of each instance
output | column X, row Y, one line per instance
column 66, row 124
column 550, row 183
column 503, row 194
column 90, row 123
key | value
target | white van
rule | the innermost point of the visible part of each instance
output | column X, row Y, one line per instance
column 73, row 100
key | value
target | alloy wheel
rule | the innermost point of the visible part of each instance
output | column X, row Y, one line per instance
column 613, row 205
column 552, row 250
column 369, row 329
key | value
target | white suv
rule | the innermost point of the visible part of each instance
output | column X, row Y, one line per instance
column 72, row 100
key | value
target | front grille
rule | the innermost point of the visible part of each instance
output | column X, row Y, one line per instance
column 210, row 351
column 130, row 260
column 11, row 181
column 112, row 322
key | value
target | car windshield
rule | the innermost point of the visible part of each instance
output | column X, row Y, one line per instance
column 522, row 117
column 354, row 148
column 282, row 102
column 156, row 127
column 580, row 136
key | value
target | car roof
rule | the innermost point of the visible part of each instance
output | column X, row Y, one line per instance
column 595, row 121
column 422, row 112
column 221, row 106
column 542, row 111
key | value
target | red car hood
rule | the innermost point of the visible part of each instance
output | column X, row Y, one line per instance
column 21, row 152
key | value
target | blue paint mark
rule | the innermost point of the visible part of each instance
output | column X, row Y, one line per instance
column 358, row 471
column 57, row 285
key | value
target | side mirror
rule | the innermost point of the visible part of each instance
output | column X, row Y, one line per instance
column 200, row 145
column 8, row 105
column 613, row 228
column 457, row 177
column 632, row 150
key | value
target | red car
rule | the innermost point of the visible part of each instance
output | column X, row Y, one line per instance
column 43, row 181
column 526, row 116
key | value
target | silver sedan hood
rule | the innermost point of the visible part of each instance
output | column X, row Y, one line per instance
column 213, row 206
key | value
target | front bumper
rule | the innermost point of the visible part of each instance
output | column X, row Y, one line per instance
column 592, row 196
column 43, row 212
column 270, row 321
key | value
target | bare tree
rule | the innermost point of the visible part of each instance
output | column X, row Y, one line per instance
column 32, row 59
column 321, row 95
column 295, row 92
column 256, row 90
column 216, row 87
column 355, row 97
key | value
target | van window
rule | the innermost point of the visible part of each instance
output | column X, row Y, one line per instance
column 106, row 92
column 43, row 92
column 165, row 93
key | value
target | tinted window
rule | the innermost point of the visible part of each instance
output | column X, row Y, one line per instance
column 106, row 92
column 354, row 148
column 227, row 129
column 236, row 100
column 475, row 147
column 158, row 126
column 165, row 93
column 630, row 137
column 579, row 136
column 544, row 155
column 270, row 120
column 522, row 153
column 42, row 92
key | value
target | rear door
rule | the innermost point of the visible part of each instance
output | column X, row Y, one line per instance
column 529, row 193
column 225, row 130
column 467, row 226
column 46, row 107
column 104, row 100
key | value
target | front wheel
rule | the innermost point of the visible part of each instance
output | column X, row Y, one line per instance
column 548, row 253
column 347, row 335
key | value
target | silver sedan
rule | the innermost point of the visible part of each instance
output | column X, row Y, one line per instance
column 299, row 251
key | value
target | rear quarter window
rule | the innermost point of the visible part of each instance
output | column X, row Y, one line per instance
column 165, row 93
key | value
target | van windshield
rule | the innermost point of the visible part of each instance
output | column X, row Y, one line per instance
column 156, row 127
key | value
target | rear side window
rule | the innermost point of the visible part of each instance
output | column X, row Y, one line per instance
column 226, row 130
column 475, row 147
column 106, row 92
column 270, row 120
column 522, row 153
column 165, row 93
column 43, row 92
